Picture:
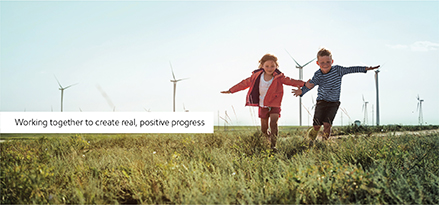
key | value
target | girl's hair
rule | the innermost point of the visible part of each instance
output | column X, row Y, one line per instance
column 268, row 57
column 324, row 52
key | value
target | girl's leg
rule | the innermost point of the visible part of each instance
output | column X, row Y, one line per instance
column 264, row 129
column 264, row 126
column 274, row 129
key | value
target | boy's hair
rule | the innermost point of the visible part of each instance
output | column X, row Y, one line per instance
column 268, row 57
column 324, row 52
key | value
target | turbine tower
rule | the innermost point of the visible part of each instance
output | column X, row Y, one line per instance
column 365, row 111
column 377, row 98
column 175, row 85
column 62, row 91
column 300, row 67
column 420, row 118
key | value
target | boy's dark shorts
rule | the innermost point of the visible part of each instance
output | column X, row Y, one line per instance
column 325, row 112
column 264, row 112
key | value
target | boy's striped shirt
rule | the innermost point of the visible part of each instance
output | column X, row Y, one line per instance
column 330, row 83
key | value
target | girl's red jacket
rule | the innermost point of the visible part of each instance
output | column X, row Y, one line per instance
column 275, row 92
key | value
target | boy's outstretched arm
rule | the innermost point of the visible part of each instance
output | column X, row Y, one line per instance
column 372, row 68
column 226, row 92
column 297, row 92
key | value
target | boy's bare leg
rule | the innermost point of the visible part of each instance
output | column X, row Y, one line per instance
column 312, row 133
column 264, row 129
column 326, row 130
column 317, row 127
column 274, row 129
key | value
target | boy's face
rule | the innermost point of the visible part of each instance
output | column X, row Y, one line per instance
column 269, row 67
column 325, row 63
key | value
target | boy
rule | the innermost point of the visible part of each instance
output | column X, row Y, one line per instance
column 329, row 80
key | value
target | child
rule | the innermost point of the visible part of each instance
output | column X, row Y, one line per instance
column 266, row 91
column 329, row 80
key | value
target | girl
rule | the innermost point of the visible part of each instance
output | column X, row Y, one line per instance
column 266, row 91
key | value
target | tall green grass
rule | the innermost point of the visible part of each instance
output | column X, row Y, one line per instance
column 224, row 167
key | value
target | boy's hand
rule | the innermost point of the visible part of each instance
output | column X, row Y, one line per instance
column 297, row 92
column 226, row 92
column 372, row 68
column 309, row 85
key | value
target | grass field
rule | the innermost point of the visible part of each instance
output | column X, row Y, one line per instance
column 231, row 166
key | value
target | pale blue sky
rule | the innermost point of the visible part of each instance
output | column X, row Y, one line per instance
column 126, row 47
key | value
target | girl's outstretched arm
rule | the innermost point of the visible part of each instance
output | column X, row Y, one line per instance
column 292, row 82
column 244, row 84
column 226, row 92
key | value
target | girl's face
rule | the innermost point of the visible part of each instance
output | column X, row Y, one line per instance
column 269, row 67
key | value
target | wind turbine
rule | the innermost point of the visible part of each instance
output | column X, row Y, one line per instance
column 62, row 91
column 377, row 97
column 175, row 84
column 365, row 111
column 420, row 118
column 300, row 67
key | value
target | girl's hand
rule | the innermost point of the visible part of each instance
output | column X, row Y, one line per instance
column 309, row 85
column 372, row 68
column 297, row 92
column 226, row 92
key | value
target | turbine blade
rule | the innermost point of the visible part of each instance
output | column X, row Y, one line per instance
column 363, row 98
column 107, row 98
column 58, row 82
column 70, row 85
column 172, row 70
column 182, row 79
column 293, row 59
column 309, row 62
